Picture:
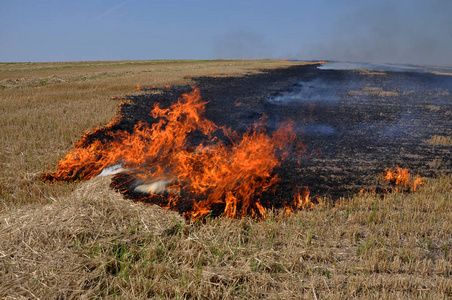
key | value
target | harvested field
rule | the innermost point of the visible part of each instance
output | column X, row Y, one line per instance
column 41, row 122
column 94, row 244
column 353, row 125
column 84, row 240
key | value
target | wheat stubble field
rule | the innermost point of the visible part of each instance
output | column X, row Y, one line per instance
column 84, row 241
column 46, row 107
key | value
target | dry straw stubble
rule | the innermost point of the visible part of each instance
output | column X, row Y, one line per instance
column 95, row 244
column 88, row 242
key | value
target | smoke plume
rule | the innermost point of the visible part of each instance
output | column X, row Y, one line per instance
column 417, row 32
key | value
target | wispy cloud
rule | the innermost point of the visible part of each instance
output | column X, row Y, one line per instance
column 109, row 11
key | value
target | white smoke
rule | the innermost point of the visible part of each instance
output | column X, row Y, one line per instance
column 317, row 90
column 156, row 187
column 416, row 32
column 112, row 170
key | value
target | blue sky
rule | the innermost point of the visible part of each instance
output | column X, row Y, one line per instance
column 404, row 31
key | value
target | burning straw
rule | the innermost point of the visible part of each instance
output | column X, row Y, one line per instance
column 158, row 163
column 402, row 177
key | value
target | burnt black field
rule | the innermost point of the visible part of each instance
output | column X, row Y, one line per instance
column 353, row 123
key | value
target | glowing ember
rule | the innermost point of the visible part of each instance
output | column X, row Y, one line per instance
column 157, row 164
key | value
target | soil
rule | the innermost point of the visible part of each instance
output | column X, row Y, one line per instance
column 353, row 123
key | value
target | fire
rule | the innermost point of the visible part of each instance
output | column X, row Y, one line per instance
column 139, row 87
column 417, row 183
column 401, row 177
column 300, row 201
column 398, row 177
column 159, row 163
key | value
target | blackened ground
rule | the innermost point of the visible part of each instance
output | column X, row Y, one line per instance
column 359, row 124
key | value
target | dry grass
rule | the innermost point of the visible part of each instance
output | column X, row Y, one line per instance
column 374, row 92
column 371, row 72
column 95, row 244
column 440, row 140
column 46, row 107
column 84, row 241
column 442, row 73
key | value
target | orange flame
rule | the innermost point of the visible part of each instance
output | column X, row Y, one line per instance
column 398, row 177
column 139, row 87
column 165, row 170
column 300, row 201
column 417, row 183
column 401, row 177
